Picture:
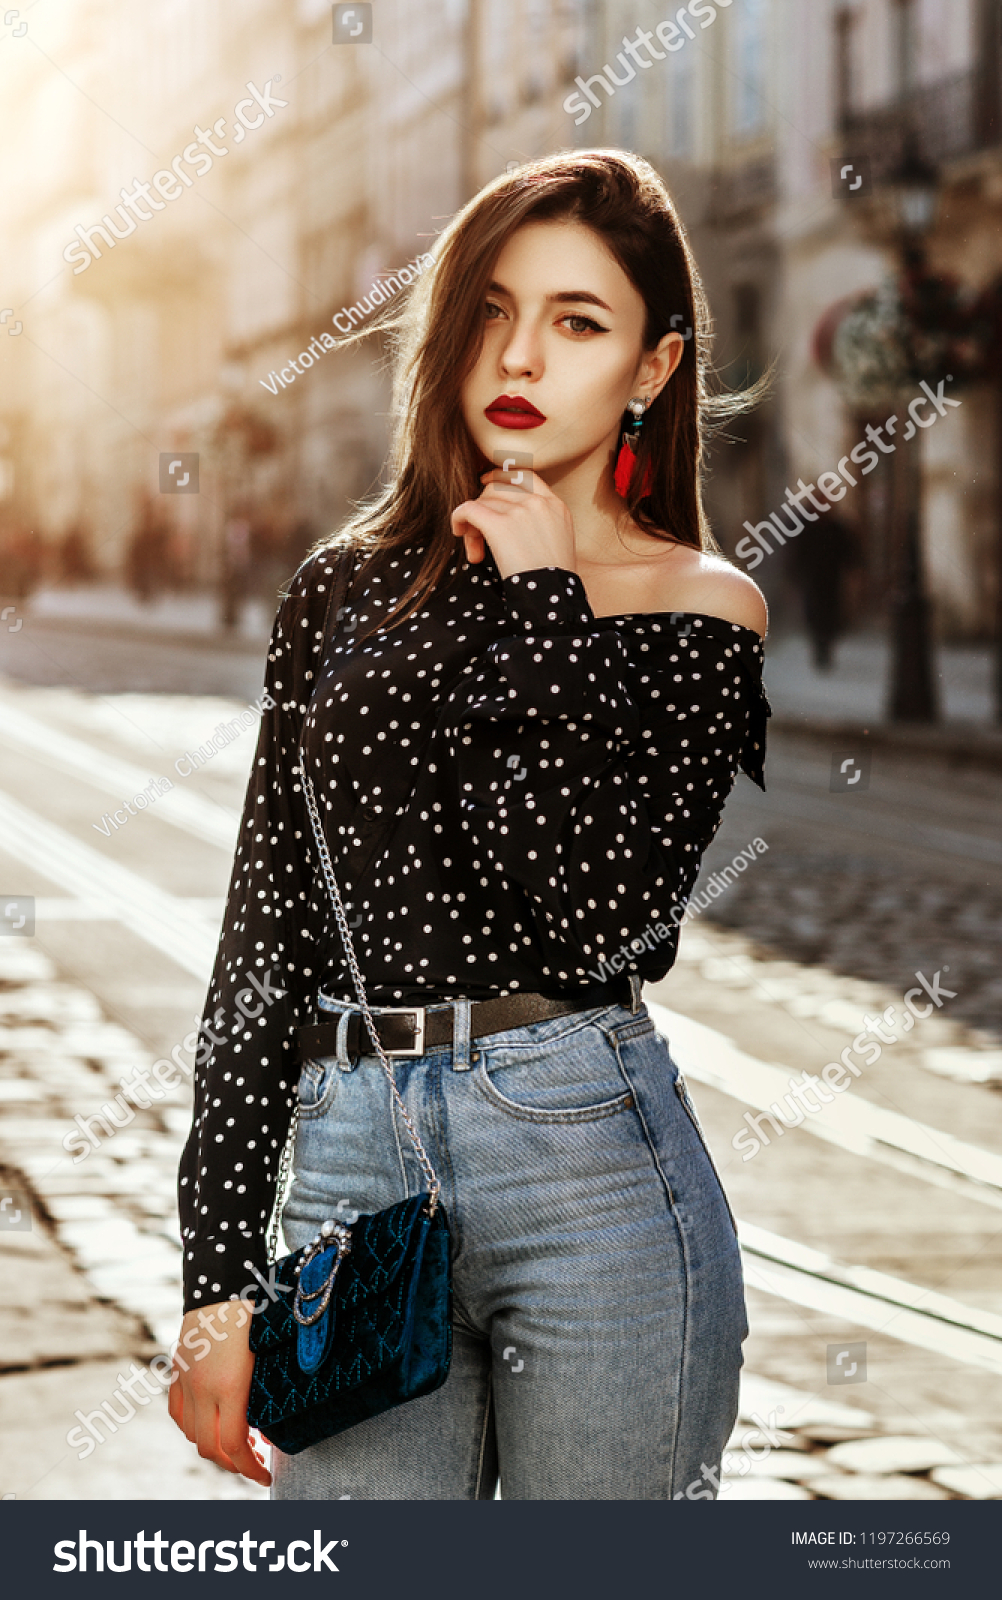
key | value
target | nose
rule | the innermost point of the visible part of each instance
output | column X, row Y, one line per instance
column 521, row 355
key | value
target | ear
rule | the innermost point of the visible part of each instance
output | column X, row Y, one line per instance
column 657, row 365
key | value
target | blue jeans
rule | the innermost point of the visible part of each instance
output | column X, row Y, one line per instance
column 599, row 1305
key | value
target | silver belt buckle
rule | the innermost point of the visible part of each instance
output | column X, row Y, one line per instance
column 407, row 1011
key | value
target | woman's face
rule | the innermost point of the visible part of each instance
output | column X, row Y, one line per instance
column 563, row 335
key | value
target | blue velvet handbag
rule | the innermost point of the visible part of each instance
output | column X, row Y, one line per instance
column 365, row 1324
column 361, row 1317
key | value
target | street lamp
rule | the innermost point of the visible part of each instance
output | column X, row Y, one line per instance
column 913, row 194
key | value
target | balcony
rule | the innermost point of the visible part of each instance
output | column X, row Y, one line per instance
column 955, row 117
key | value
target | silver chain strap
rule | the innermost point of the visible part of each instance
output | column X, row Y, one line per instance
column 282, row 1185
column 285, row 1162
column 328, row 870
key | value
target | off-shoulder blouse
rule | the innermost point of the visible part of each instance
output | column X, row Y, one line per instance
column 516, row 795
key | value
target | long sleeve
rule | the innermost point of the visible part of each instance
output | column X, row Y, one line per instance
column 595, row 782
column 260, row 988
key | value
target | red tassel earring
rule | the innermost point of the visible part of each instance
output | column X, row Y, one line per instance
column 627, row 458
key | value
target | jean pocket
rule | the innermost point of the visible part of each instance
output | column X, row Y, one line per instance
column 563, row 1083
column 682, row 1090
column 319, row 1081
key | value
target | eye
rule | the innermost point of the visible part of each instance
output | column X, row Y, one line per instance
column 494, row 311
column 585, row 324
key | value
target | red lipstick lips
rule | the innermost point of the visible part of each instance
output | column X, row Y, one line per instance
column 512, row 411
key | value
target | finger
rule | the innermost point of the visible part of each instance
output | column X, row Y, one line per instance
column 508, row 488
column 485, row 516
column 514, row 478
column 474, row 519
column 250, row 1465
column 175, row 1404
column 238, row 1448
column 207, row 1439
column 472, row 539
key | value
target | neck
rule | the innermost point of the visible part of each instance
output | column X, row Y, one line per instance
column 600, row 516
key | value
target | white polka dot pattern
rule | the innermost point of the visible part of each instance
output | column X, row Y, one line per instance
column 510, row 787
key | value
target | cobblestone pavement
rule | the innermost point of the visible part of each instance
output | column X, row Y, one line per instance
column 93, row 1252
column 854, row 914
column 89, row 998
column 905, row 874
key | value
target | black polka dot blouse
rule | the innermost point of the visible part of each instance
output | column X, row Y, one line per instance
column 516, row 796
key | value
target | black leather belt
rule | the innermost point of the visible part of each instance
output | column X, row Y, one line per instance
column 412, row 1030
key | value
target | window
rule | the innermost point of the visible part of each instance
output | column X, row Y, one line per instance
column 749, row 33
column 845, row 78
column 680, row 105
column 903, row 45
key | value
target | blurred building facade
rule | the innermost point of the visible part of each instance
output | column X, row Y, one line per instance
column 166, row 338
column 745, row 112
column 169, row 342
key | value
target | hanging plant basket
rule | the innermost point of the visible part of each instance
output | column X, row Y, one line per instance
column 921, row 325
column 871, row 356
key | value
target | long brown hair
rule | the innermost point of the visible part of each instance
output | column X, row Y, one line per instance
column 434, row 463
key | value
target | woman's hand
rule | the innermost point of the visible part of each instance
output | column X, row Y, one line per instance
column 209, row 1400
column 525, row 525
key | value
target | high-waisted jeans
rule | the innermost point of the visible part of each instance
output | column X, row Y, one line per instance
column 599, row 1305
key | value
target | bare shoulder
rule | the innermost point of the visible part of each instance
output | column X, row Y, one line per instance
column 699, row 580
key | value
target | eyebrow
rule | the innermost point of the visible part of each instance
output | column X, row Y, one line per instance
column 565, row 297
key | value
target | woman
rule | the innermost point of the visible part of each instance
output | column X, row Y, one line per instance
column 521, row 744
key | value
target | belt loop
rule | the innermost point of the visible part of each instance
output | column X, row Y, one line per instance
column 635, row 1000
column 461, row 1013
column 344, row 1064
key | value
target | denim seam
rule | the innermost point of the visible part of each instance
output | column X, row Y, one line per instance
column 394, row 1120
column 442, row 1159
column 630, row 1030
column 595, row 1113
column 673, row 1211
column 682, row 1091
column 319, row 1108
column 483, row 1436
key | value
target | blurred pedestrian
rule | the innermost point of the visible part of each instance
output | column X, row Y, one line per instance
column 146, row 556
column 76, row 564
column 820, row 561
column 22, row 560
column 235, row 573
